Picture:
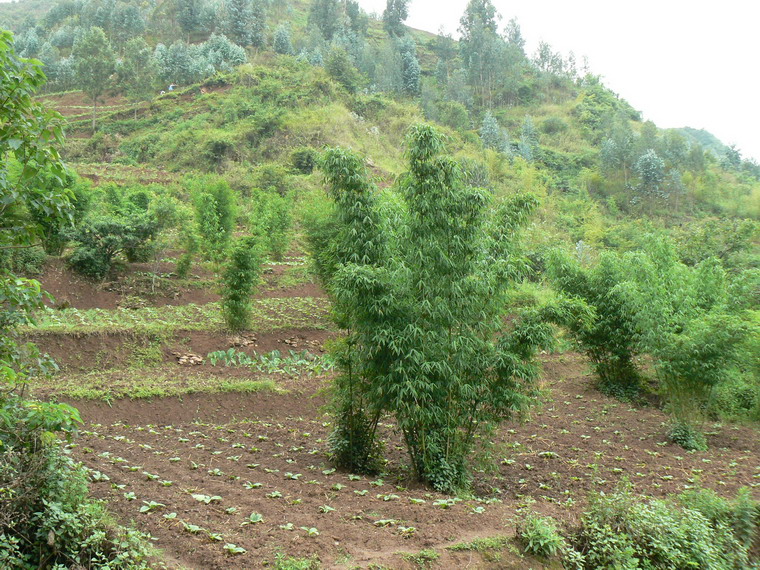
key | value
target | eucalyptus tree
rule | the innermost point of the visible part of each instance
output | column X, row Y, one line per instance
column 481, row 48
column 395, row 14
column 94, row 62
column 420, row 284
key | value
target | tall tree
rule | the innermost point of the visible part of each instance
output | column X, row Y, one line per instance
column 29, row 137
column 244, row 22
column 189, row 14
column 281, row 42
column 325, row 15
column 410, row 67
column 137, row 71
column 395, row 14
column 94, row 62
column 650, row 169
column 481, row 46
column 528, row 139
column 424, row 307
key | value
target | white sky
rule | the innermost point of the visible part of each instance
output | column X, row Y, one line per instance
column 682, row 63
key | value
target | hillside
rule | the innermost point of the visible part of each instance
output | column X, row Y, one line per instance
column 261, row 255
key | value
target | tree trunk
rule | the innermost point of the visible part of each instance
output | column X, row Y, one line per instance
column 94, row 113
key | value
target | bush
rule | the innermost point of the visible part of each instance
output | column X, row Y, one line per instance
column 611, row 342
column 215, row 212
column 553, row 125
column 47, row 519
column 414, row 282
column 27, row 261
column 742, row 514
column 239, row 281
column 623, row 531
column 103, row 238
column 190, row 241
column 271, row 222
column 736, row 398
column 540, row 537
column 304, row 160
column 53, row 231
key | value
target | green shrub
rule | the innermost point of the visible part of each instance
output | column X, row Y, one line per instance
column 215, row 211
column 540, row 536
column 742, row 514
column 304, row 160
column 239, row 281
column 102, row 239
column 27, row 261
column 611, row 342
column 422, row 288
column 54, row 231
column 46, row 516
column 736, row 398
column 621, row 530
column 271, row 222
column 273, row 178
column 553, row 125
column 190, row 242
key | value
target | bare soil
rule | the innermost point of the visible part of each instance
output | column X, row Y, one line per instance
column 267, row 452
column 578, row 442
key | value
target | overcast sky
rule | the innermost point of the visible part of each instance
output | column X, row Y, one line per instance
column 682, row 63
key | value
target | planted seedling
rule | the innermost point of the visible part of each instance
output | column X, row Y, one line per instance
column 310, row 531
column 207, row 499
column 150, row 506
column 253, row 518
column 233, row 549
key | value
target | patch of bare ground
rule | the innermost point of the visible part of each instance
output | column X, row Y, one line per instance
column 267, row 453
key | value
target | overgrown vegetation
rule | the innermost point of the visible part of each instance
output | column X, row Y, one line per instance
column 423, row 302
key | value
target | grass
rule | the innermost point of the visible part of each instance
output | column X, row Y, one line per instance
column 421, row 558
column 482, row 544
column 268, row 315
column 143, row 384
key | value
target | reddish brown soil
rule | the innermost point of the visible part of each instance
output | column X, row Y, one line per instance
column 152, row 284
column 101, row 351
column 594, row 443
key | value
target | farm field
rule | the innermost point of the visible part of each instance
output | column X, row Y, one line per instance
column 227, row 466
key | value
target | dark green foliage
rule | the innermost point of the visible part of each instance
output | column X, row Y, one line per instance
column 539, row 536
column 102, row 238
column 46, row 516
column 190, row 242
column 553, row 125
column 410, row 74
column 214, row 203
column 395, row 14
column 189, row 15
column 239, row 281
column 324, row 15
column 623, row 531
column 271, row 221
column 304, row 160
column 51, row 230
column 611, row 341
column 742, row 514
column 423, row 304
column 27, row 261
column 282, row 43
column 339, row 67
